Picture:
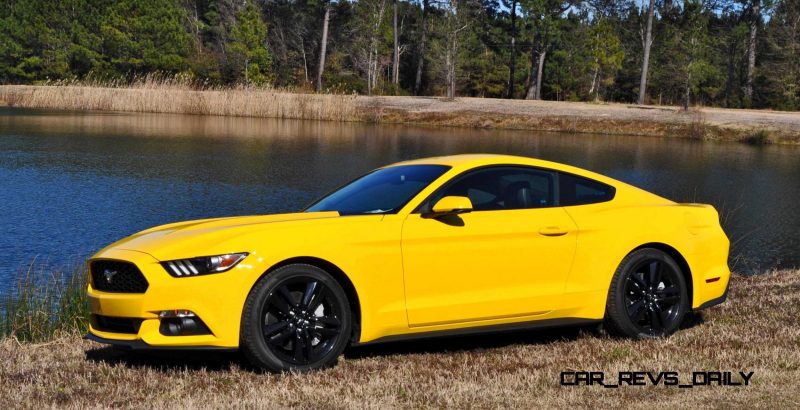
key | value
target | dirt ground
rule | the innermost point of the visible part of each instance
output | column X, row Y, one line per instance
column 699, row 123
column 756, row 330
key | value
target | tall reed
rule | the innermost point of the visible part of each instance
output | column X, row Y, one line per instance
column 180, row 95
column 43, row 304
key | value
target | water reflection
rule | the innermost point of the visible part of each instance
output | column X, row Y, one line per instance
column 73, row 182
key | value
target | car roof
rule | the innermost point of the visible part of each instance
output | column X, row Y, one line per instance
column 468, row 161
column 464, row 162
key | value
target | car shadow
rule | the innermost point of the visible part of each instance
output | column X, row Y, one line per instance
column 493, row 340
column 165, row 360
column 211, row 360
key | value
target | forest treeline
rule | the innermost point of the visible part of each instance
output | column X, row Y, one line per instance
column 738, row 53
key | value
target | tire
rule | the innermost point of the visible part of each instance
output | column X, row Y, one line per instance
column 296, row 318
column 648, row 297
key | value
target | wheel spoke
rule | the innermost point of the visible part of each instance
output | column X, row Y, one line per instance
column 636, row 309
column 330, row 321
column 273, row 328
column 638, row 287
column 281, row 304
column 310, row 294
column 284, row 292
column 298, row 349
column 668, row 295
column 308, row 347
column 326, row 331
column 281, row 338
column 654, row 273
column 657, row 314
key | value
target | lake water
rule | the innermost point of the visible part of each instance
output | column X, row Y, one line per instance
column 74, row 182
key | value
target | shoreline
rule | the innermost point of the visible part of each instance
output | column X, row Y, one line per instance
column 756, row 127
column 756, row 330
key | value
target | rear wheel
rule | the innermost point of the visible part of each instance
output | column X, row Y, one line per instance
column 295, row 318
column 648, row 297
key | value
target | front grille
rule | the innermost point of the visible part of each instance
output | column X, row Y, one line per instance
column 117, row 277
column 116, row 324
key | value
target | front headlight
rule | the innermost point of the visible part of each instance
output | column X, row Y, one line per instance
column 203, row 265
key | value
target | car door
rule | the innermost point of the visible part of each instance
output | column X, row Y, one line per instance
column 508, row 257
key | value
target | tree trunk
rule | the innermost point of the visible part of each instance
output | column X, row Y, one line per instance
column 729, row 83
column 512, row 66
column 305, row 61
column 646, row 42
column 687, row 92
column 531, row 82
column 751, row 51
column 372, row 66
column 452, row 48
column 535, row 89
column 592, row 89
column 450, row 67
column 396, row 57
column 422, row 45
column 323, row 45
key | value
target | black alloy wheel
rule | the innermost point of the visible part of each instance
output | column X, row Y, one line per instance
column 300, row 322
column 296, row 318
column 648, row 296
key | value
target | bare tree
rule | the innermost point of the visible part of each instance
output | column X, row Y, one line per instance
column 396, row 56
column 422, row 45
column 368, row 58
column 751, row 49
column 455, row 25
column 323, row 45
column 544, row 14
column 647, row 41
column 513, row 64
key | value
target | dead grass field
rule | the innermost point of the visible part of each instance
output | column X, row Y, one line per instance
column 757, row 330
column 170, row 95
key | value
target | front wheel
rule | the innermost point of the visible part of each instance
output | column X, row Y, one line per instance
column 648, row 297
column 295, row 318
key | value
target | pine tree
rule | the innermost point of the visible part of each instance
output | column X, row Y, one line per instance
column 248, row 46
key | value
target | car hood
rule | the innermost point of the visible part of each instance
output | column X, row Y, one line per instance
column 183, row 239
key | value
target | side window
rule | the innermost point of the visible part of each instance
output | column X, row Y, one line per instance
column 503, row 188
column 575, row 190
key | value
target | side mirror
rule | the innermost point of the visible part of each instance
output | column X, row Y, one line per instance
column 450, row 205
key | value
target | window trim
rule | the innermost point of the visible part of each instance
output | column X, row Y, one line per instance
column 424, row 205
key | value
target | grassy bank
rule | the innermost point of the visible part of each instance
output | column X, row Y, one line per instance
column 44, row 305
column 757, row 330
column 171, row 96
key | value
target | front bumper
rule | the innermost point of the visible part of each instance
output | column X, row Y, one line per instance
column 216, row 299
column 140, row 345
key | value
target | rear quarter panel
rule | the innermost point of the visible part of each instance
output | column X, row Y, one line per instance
column 607, row 232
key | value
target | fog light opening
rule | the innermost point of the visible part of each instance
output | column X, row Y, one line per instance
column 181, row 323
column 176, row 313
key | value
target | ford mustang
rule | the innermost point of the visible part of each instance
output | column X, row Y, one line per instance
column 463, row 243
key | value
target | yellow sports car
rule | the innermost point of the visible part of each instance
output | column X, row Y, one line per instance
column 443, row 245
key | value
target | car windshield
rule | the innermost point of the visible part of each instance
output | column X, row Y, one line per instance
column 383, row 191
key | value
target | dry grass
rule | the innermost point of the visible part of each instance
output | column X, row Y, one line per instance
column 757, row 330
column 154, row 93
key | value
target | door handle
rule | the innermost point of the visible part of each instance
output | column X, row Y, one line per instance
column 553, row 231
